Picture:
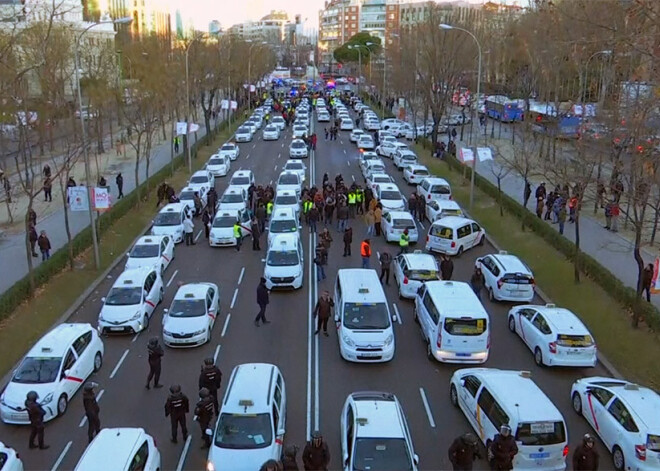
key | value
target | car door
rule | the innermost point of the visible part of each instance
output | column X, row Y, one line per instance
column 84, row 353
column 539, row 333
column 488, row 268
column 150, row 299
column 168, row 252
column 399, row 268
column 467, row 397
column 347, row 435
column 524, row 326
column 619, row 425
column 211, row 309
column 594, row 410
column 476, row 233
column 71, row 377
column 280, row 400
column 431, row 317
column 139, row 460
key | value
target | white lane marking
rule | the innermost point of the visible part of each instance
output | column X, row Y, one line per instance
column 398, row 316
column 353, row 177
column 283, row 144
column 233, row 300
column 198, row 234
column 340, row 141
column 348, row 162
column 240, row 277
column 377, row 255
column 217, row 352
column 121, row 360
column 279, row 155
column 317, row 418
column 135, row 337
column 171, row 278
column 224, row 328
column 310, row 327
column 247, row 156
column 184, row 453
column 271, row 182
column 254, row 145
column 98, row 398
column 427, row 407
column 344, row 151
column 275, row 167
column 61, row 457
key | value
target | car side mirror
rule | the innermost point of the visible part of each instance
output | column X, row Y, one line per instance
column 209, row 432
column 416, row 459
column 128, row 254
column 462, row 383
column 165, row 311
column 103, row 299
column 67, row 372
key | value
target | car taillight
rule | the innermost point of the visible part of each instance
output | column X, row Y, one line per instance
column 451, row 197
column 428, row 197
column 405, row 280
column 427, row 238
column 640, row 452
column 439, row 341
column 553, row 347
column 453, row 244
column 499, row 284
column 565, row 452
column 532, row 281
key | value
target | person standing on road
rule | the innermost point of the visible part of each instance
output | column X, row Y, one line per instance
column 348, row 240
column 446, row 267
column 503, row 450
column 647, row 281
column 119, row 180
column 204, row 415
column 33, row 238
column 463, row 451
column 365, row 252
column 412, row 205
column 421, row 208
column 342, row 217
column 527, row 193
column 44, row 246
column 238, row 235
column 320, row 260
column 260, row 214
column 212, row 200
column 312, row 218
column 561, row 218
column 370, row 221
column 188, row 228
column 36, row 415
column 404, row 242
column 211, row 379
column 207, row 219
column 262, row 301
column 48, row 189
column 385, row 263
column 176, row 407
column 325, row 239
column 322, row 312
column 477, row 282
column 585, row 456
column 91, row 410
column 256, row 233
column 156, row 353
column 289, row 462
column 378, row 218
column 316, row 455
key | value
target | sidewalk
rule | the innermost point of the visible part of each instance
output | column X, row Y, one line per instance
column 613, row 250
column 50, row 216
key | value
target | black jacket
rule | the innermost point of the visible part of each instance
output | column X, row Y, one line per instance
column 210, row 378
column 90, row 404
column 155, row 354
column 446, row 269
column 316, row 458
column 585, row 458
column 35, row 412
column 348, row 235
column 462, row 454
column 262, row 294
column 176, row 405
column 204, row 410
column 504, row 449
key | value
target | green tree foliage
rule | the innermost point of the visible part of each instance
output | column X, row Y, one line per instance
column 365, row 42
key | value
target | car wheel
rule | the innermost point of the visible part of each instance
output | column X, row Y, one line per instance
column 145, row 322
column 453, row 395
column 208, row 335
column 460, row 251
column 576, row 400
column 618, row 460
column 160, row 296
column 98, row 361
column 429, row 351
column 538, row 356
column 512, row 324
column 62, row 404
column 491, row 295
column 481, row 241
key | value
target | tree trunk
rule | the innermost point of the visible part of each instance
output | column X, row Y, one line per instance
column 656, row 216
column 640, row 272
column 576, row 259
column 28, row 249
column 67, row 227
column 147, row 156
column 137, row 168
column 99, row 133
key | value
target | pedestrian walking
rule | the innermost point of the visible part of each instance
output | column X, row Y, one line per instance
column 370, row 220
column 615, row 216
column 176, row 144
column 421, row 208
column 412, row 205
column 211, row 378
column 33, row 237
column 561, row 218
column 322, row 312
column 572, row 208
column 316, row 454
column 289, row 462
column 32, row 217
column 36, row 414
column 585, row 456
column 348, row 240
column 204, row 415
column 463, row 451
column 119, row 180
column 477, row 282
column 378, row 218
column 312, row 218
column 404, row 242
column 256, row 233
column 262, row 301
column 446, row 267
column 527, row 193
column 503, row 450
column 238, row 235
column 176, row 408
column 46, row 171
column 385, row 264
column 91, row 410
column 188, row 229
column 320, row 260
column 608, row 215
column 647, row 281
column 325, row 238
column 365, row 252
column 44, row 246
column 207, row 220
column 155, row 355
column 342, row 217
column 48, row 189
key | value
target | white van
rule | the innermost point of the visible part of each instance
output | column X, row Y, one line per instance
column 453, row 235
column 490, row 398
column 121, row 449
column 363, row 317
column 285, row 262
column 434, row 188
column 453, row 321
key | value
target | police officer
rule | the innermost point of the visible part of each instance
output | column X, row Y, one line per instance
column 238, row 235
column 36, row 415
column 289, row 462
column 502, row 450
column 204, row 414
column 176, row 407
column 316, row 455
column 404, row 242
column 155, row 355
column 463, row 451
column 210, row 378
column 271, row 465
column 585, row 456
column 91, row 410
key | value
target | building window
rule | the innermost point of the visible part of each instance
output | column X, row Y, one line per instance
column 391, row 16
column 353, row 26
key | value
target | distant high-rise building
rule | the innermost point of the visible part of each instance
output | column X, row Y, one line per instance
column 272, row 28
column 179, row 24
column 215, row 27
column 150, row 18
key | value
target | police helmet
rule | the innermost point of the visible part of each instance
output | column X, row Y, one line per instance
column 588, row 438
column 204, row 392
column 470, row 439
column 153, row 341
column 32, row 396
column 505, row 430
column 89, row 386
column 208, row 361
column 175, row 388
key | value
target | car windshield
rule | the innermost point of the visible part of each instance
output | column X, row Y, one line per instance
column 199, row 179
column 441, row 232
column 187, row 195
column 441, row 189
column 382, row 454
column 145, row 251
column 187, row 308
column 366, row 316
column 232, row 198
column 224, row 221
column 300, row 128
column 227, row 147
column 35, row 370
column 283, row 225
column 422, row 172
column 167, row 219
column 121, row 296
column 518, row 279
column 243, row 130
column 286, row 258
column 409, row 157
column 216, row 162
column 240, row 181
column 403, row 224
column 286, row 199
column 465, row 326
column 293, row 166
column 390, row 195
column 541, row 433
column 298, row 145
column 291, row 179
column 243, row 432
column 423, row 275
column 382, row 180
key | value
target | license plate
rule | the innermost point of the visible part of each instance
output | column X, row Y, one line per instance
column 116, row 329
column 463, row 354
column 536, row 456
column 573, row 352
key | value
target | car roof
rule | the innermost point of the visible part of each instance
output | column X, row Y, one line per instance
column 234, row 189
column 456, row 297
column 228, row 144
column 511, row 263
column 296, row 163
column 358, row 130
column 56, row 342
column 400, row 215
column 437, row 181
column 193, row 290
column 417, row 167
column 360, row 285
column 377, row 417
column 242, row 173
column 421, row 261
column 226, row 213
column 641, row 400
column 563, row 320
column 447, row 204
column 297, row 140
column 452, row 221
column 150, row 239
column 132, row 277
column 288, row 172
column 388, row 187
column 245, row 384
column 173, row 208
column 403, row 152
column 284, row 242
column 200, row 173
column 283, row 213
column 374, row 175
column 112, row 445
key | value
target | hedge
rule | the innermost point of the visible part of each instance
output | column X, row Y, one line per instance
column 59, row 261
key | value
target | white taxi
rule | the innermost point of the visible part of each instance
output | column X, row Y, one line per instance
column 279, row 122
column 434, row 188
column 284, row 262
column 375, row 434
column 373, row 166
column 251, row 425
column 201, row 179
column 287, row 199
column 413, row 174
column 187, row 196
column 243, row 134
column 375, row 179
column 299, row 130
column 234, row 198
column 346, row 124
column 390, row 197
column 367, row 158
column 412, row 270
column 323, row 116
column 366, row 142
column 222, row 227
column 219, row 165
column 282, row 221
column 9, row 459
column 131, row 301
column 289, row 181
column 506, row 277
column 229, row 149
column 403, row 157
column 242, row 178
column 625, row 417
column 438, row 209
column 395, row 222
column 151, row 251
column 454, row 235
column 296, row 166
column 389, row 148
column 271, row 132
column 121, row 449
column 169, row 221
column 298, row 149
column 55, row 368
column 355, row 135
column 555, row 335
column 190, row 318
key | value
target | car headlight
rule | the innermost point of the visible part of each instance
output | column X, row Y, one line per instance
column 47, row 399
column 389, row 340
column 136, row 316
column 210, row 466
column 348, row 341
column 199, row 332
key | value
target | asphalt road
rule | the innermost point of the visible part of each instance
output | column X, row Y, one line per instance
column 317, row 379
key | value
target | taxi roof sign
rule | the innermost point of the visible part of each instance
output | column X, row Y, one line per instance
column 363, row 290
column 245, row 403
column 128, row 282
column 148, row 240
column 526, row 374
column 188, row 295
column 503, row 252
column 362, row 421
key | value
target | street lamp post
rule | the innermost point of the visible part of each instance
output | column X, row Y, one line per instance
column 605, row 52
column 474, row 160
column 188, row 116
column 357, row 48
column 95, row 238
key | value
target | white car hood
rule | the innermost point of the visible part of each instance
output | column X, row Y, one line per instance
column 119, row 313
column 221, row 232
column 15, row 393
column 217, row 168
column 225, row 459
column 166, row 230
column 281, row 272
column 392, row 204
column 185, row 325
column 132, row 263
column 198, row 186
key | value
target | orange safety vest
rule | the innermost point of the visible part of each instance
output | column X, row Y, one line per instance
column 365, row 249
